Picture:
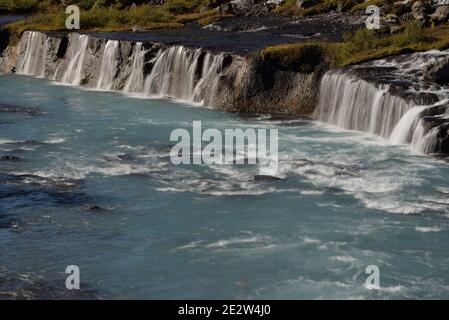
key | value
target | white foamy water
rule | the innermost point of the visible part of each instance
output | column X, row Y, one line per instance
column 108, row 66
column 106, row 186
column 188, row 75
column 76, row 52
column 428, row 229
column 354, row 100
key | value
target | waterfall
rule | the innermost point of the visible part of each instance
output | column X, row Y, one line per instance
column 108, row 67
column 404, row 131
column 76, row 53
column 35, row 48
column 424, row 142
column 356, row 104
column 135, row 81
column 205, row 90
column 173, row 73
column 389, row 98
column 176, row 72
column 185, row 74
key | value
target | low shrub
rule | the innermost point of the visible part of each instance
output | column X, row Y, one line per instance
column 18, row 6
column 302, row 57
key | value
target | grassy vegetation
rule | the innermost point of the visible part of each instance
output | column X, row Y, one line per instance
column 303, row 57
column 115, row 15
column 364, row 5
column 363, row 45
column 18, row 6
column 289, row 8
column 122, row 15
column 313, row 7
column 366, row 44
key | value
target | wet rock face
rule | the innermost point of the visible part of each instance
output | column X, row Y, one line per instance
column 251, row 7
column 8, row 54
column 441, row 14
column 256, row 86
column 440, row 126
column 436, row 124
column 4, row 40
column 430, row 10
column 443, row 139
column 420, row 10
column 437, row 72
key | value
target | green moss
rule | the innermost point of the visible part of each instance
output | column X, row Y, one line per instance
column 364, row 45
column 120, row 15
column 113, row 18
column 314, row 7
column 364, row 5
column 288, row 8
column 191, row 6
column 303, row 57
column 203, row 18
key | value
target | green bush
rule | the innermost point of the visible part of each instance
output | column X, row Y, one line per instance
column 365, row 39
column 364, row 43
column 97, row 18
column 366, row 4
column 302, row 57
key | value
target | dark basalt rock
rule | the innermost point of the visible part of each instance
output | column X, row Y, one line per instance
column 435, row 111
column 437, row 72
column 34, row 287
column 442, row 135
column 26, row 143
column 372, row 71
column 9, row 158
column 4, row 108
column 435, row 118
column 262, row 177
column 443, row 139
column 252, row 7
column 4, row 39
column 62, row 49
column 94, row 207
column 421, row 11
column 441, row 14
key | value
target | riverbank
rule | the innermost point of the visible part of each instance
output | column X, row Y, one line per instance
column 247, row 84
column 86, row 176
column 271, row 64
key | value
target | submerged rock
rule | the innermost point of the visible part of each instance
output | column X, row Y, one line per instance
column 263, row 177
column 94, row 207
column 6, row 108
column 26, row 286
column 9, row 158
